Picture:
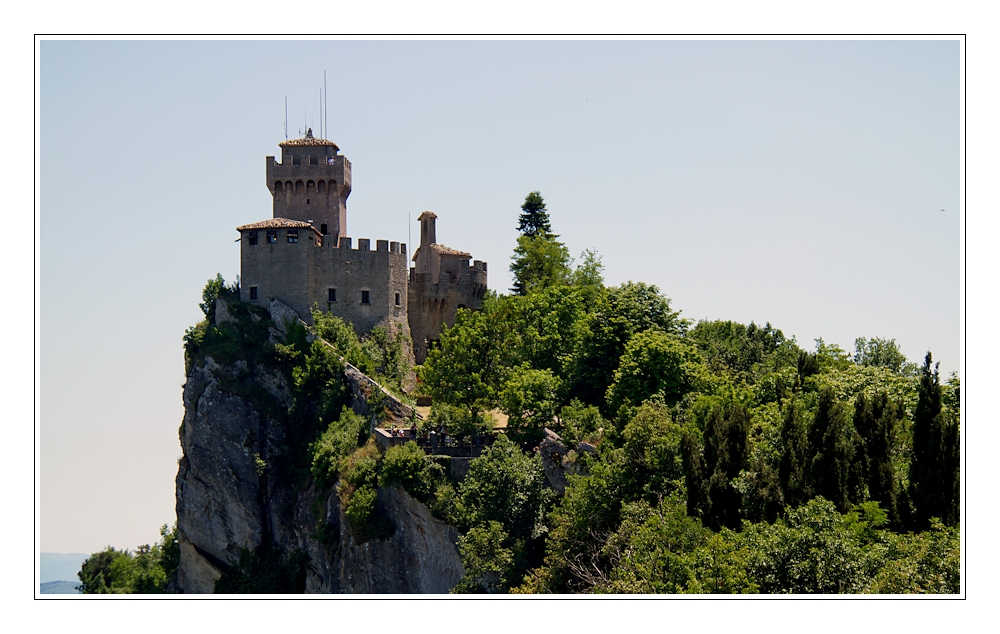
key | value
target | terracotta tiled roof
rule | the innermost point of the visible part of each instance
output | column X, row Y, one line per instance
column 443, row 250
column 309, row 141
column 275, row 223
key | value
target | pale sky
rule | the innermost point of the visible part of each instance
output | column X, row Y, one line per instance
column 811, row 184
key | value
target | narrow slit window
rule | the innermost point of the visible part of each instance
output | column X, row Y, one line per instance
column 397, row 299
column 253, row 292
column 331, row 294
column 293, row 237
column 365, row 299
column 322, row 229
column 252, row 238
column 272, row 237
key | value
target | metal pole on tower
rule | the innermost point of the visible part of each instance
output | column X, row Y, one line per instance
column 326, row 122
column 286, row 117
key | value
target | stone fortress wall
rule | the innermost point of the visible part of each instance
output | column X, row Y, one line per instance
column 302, row 256
column 332, row 275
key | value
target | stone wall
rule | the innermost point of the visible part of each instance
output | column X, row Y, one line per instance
column 310, row 189
column 435, row 304
column 301, row 274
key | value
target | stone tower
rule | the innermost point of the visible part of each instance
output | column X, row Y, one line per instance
column 311, row 184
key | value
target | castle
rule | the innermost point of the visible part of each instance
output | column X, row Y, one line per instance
column 302, row 255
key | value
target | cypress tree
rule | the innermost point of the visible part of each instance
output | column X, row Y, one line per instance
column 832, row 451
column 793, row 469
column 726, row 448
column 875, row 420
column 534, row 218
column 693, row 462
column 934, row 464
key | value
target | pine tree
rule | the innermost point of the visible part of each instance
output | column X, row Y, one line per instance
column 934, row 464
column 534, row 218
column 832, row 449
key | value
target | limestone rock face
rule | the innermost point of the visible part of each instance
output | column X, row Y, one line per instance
column 420, row 557
column 228, row 498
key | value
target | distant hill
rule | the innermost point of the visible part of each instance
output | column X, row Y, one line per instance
column 60, row 587
column 60, row 566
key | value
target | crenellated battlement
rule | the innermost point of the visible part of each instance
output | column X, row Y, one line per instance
column 303, row 256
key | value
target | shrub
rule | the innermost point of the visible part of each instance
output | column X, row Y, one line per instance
column 407, row 465
column 339, row 441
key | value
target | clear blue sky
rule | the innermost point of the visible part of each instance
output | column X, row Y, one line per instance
column 800, row 183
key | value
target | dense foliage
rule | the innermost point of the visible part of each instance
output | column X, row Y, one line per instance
column 728, row 458
column 147, row 570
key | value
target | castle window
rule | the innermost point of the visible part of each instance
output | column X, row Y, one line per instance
column 397, row 299
column 252, row 238
column 331, row 294
column 365, row 298
column 293, row 236
column 272, row 237
column 322, row 229
column 253, row 293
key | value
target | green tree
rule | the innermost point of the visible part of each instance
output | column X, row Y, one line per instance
column 832, row 449
column 488, row 563
column 539, row 261
column 407, row 464
column 652, row 449
column 616, row 315
column 876, row 420
column 211, row 292
column 457, row 422
column 588, row 513
column 793, row 471
column 653, row 363
column 506, row 486
column 934, row 464
column 342, row 437
column 534, row 218
column 589, row 274
column 726, row 451
column 147, row 570
column 883, row 353
column 546, row 326
column 470, row 367
column 816, row 550
column 530, row 401
column 737, row 349
column 653, row 550
column 579, row 422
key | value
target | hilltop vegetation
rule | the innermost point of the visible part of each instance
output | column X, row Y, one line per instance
column 708, row 457
column 729, row 459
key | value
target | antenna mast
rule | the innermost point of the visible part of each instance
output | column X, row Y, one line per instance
column 326, row 122
column 321, row 114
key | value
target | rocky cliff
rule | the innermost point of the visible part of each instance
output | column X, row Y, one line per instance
column 234, row 496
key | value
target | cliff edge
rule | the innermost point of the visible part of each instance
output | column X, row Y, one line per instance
column 246, row 500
